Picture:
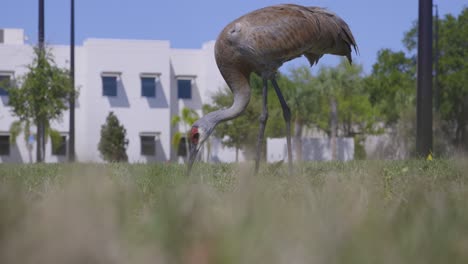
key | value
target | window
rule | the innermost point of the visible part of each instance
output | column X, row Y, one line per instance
column 60, row 148
column 148, row 86
column 148, row 145
column 184, row 89
column 4, row 145
column 182, row 148
column 4, row 82
column 109, row 85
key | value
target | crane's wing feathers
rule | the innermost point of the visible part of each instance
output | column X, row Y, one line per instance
column 285, row 32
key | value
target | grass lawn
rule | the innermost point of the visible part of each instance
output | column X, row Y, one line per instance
column 327, row 212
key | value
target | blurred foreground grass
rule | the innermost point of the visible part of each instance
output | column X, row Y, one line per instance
column 355, row 212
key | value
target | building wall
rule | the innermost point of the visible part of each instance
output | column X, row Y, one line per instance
column 14, row 59
column 12, row 36
column 22, row 56
column 129, row 60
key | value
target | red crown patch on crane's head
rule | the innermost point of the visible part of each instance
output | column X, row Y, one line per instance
column 194, row 135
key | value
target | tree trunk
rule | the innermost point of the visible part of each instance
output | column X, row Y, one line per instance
column 460, row 134
column 39, row 142
column 463, row 138
column 237, row 154
column 462, row 122
column 43, row 140
column 333, row 126
column 187, row 149
column 298, row 124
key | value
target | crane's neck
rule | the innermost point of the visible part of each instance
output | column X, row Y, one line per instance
column 238, row 106
column 240, row 87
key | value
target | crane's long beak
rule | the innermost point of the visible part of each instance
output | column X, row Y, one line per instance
column 192, row 155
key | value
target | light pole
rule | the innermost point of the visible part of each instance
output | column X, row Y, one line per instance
column 40, row 134
column 424, row 80
column 436, row 60
column 71, row 139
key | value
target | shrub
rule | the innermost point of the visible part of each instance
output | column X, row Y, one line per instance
column 113, row 142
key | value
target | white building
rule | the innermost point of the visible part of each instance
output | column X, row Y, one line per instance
column 144, row 82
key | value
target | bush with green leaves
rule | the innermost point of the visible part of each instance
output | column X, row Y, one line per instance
column 113, row 142
column 44, row 82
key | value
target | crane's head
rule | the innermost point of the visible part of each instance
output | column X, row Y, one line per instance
column 199, row 133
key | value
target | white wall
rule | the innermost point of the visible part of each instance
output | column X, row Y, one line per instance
column 220, row 153
column 137, row 114
column 129, row 59
column 312, row 149
column 12, row 36
column 22, row 56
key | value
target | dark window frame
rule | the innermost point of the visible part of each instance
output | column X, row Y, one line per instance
column 60, row 150
column 5, row 145
column 106, row 89
column 182, row 147
column 184, row 89
column 148, row 89
column 3, row 91
column 147, row 145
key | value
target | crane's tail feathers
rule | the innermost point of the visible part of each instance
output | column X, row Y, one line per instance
column 313, row 58
column 336, row 28
column 349, row 39
column 350, row 59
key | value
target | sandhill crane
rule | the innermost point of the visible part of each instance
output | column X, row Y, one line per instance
column 260, row 42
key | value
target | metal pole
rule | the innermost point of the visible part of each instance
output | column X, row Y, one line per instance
column 71, row 140
column 424, row 86
column 40, row 137
column 41, row 24
column 436, row 60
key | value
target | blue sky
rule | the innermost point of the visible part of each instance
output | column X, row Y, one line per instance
column 376, row 24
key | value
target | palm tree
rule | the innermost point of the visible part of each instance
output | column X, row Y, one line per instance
column 188, row 117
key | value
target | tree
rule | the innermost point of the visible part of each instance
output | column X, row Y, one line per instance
column 241, row 132
column 393, row 80
column 40, row 97
column 309, row 99
column 344, row 105
column 188, row 117
column 391, row 85
column 303, row 95
column 113, row 142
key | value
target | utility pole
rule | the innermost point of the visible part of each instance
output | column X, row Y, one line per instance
column 40, row 137
column 41, row 24
column 436, row 60
column 424, row 81
column 71, row 139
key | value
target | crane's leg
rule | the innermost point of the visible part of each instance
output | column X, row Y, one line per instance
column 287, row 119
column 263, row 120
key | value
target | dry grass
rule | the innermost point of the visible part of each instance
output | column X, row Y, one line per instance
column 357, row 212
